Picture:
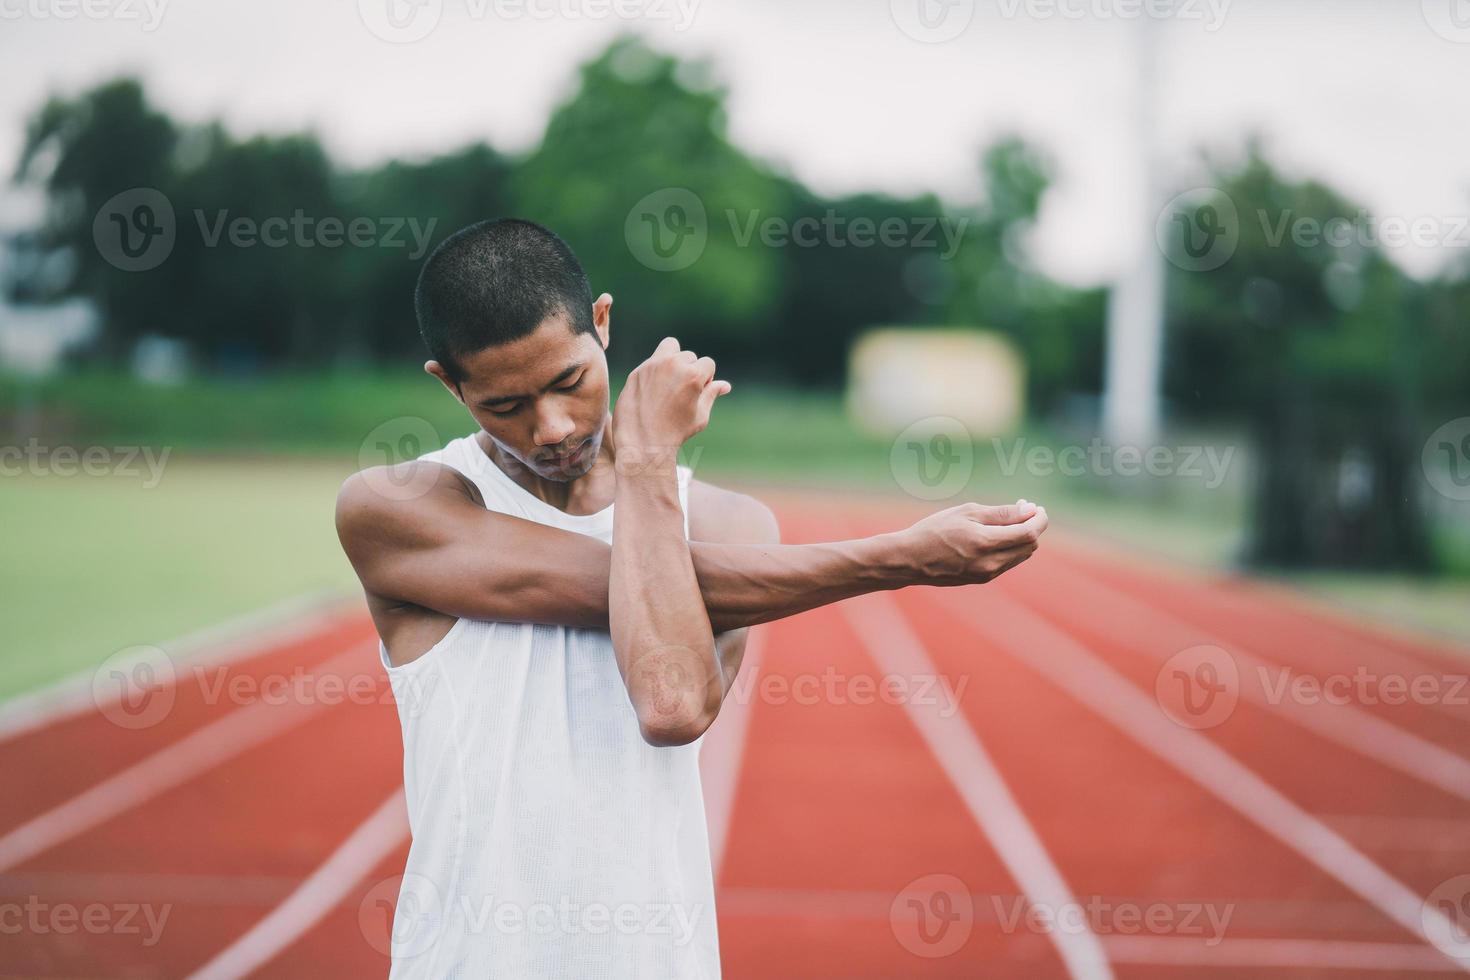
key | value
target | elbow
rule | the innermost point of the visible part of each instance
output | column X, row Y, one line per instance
column 675, row 716
column 674, row 702
column 666, row 731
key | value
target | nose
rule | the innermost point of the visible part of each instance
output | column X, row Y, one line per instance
column 552, row 426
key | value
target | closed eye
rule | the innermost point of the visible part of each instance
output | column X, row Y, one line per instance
column 516, row 406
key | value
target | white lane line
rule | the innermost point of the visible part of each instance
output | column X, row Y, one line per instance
column 180, row 889
column 1428, row 648
column 1127, row 619
column 723, row 746
column 1440, row 835
column 1446, row 666
column 1277, row 954
column 235, row 639
column 886, row 635
column 195, row 753
column 1248, row 915
column 1030, row 639
column 373, row 840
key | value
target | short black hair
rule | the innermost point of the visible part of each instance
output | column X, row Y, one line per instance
column 494, row 282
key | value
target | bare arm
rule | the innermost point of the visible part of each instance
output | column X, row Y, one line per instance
column 661, row 632
column 442, row 550
column 676, row 609
column 723, row 516
column 662, row 637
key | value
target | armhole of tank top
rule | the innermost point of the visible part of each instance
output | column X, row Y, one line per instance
column 457, row 627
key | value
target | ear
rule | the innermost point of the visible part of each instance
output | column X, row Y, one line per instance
column 602, row 317
column 452, row 386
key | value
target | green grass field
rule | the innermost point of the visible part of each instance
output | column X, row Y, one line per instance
column 242, row 513
column 97, row 564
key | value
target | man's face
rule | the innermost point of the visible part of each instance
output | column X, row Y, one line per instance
column 542, row 399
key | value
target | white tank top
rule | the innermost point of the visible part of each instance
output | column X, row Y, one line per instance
column 549, row 840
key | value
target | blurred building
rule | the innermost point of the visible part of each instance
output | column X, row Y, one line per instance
column 900, row 377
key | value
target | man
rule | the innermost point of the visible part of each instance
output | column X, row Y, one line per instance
column 554, row 670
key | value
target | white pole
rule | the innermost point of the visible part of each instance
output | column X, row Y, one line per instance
column 1131, row 414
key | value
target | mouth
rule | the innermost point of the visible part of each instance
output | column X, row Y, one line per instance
column 564, row 460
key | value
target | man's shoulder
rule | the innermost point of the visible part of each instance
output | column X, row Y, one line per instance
column 397, row 492
column 728, row 516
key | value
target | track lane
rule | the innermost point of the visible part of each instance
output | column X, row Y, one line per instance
column 264, row 822
column 838, row 808
column 1267, row 623
column 92, row 746
column 927, row 604
column 842, row 807
column 1090, row 681
column 1381, row 809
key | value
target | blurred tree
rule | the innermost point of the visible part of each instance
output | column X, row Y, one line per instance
column 442, row 195
column 771, row 276
column 1441, row 311
column 835, row 289
column 609, row 176
column 1059, row 330
column 84, row 151
column 1302, row 332
column 269, row 294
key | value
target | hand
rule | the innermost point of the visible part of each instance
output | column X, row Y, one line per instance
column 666, row 401
column 973, row 543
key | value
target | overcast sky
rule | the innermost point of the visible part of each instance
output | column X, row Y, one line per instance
column 1372, row 95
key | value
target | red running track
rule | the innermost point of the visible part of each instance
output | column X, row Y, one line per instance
column 1002, row 781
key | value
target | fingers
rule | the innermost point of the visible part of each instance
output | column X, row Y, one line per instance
column 704, row 367
column 707, row 397
column 1012, row 553
column 1035, row 525
column 1002, row 514
column 1026, row 533
column 669, row 347
column 703, row 373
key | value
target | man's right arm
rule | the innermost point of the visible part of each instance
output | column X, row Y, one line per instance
column 444, row 551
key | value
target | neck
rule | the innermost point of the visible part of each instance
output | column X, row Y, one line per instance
column 585, row 494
